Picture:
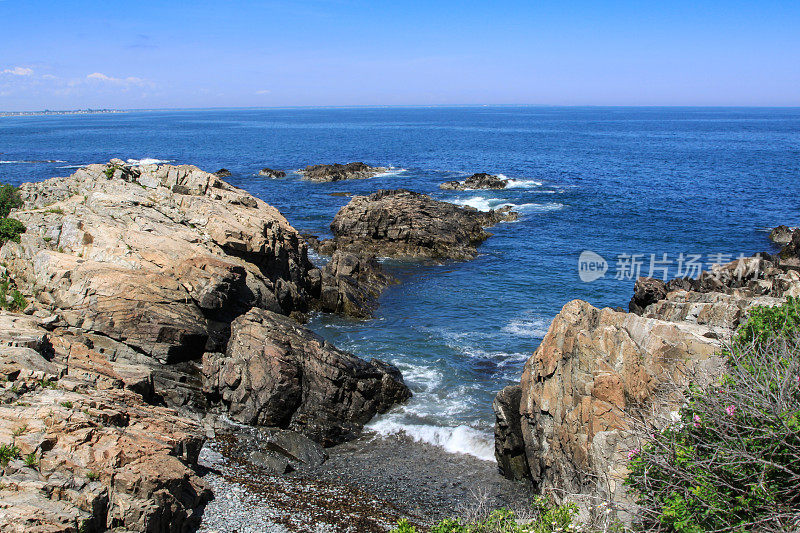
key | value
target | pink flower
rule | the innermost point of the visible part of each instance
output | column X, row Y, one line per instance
column 696, row 419
column 730, row 410
column 633, row 453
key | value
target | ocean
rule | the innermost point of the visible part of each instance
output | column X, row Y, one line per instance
column 648, row 190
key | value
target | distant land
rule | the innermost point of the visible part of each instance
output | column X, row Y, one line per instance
column 66, row 112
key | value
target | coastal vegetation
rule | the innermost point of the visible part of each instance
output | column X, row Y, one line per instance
column 10, row 228
column 732, row 461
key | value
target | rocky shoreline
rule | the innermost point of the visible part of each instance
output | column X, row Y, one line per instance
column 599, row 373
column 163, row 307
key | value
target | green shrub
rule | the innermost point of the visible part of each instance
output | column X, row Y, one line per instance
column 66, row 404
column 31, row 460
column 547, row 518
column 732, row 462
column 10, row 230
column 92, row 476
column 8, row 452
column 9, row 199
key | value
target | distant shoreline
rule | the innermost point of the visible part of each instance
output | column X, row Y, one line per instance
column 48, row 112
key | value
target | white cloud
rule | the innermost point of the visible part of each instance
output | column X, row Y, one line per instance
column 18, row 71
column 100, row 77
column 263, row 91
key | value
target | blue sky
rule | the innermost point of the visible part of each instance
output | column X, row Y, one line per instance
column 147, row 54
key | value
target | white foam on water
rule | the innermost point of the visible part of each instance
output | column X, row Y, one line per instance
column 530, row 327
column 481, row 203
column 148, row 161
column 73, row 166
column 459, row 439
column 391, row 171
column 514, row 183
column 537, row 208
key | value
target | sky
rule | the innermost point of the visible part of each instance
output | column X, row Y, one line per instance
column 232, row 53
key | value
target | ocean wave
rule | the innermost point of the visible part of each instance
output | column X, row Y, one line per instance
column 514, row 183
column 391, row 171
column 529, row 327
column 538, row 208
column 149, row 161
column 484, row 203
column 22, row 161
column 459, row 439
column 73, row 166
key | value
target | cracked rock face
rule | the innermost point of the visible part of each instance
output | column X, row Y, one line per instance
column 405, row 224
column 567, row 425
column 97, row 455
column 277, row 373
column 157, row 259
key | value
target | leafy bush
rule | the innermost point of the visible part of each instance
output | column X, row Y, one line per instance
column 10, row 230
column 547, row 518
column 9, row 199
column 8, row 452
column 732, row 462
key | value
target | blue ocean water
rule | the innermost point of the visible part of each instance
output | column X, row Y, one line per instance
column 622, row 182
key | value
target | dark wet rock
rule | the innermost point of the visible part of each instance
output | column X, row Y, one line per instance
column 294, row 446
column 351, row 284
column 338, row 172
column 270, row 173
column 405, row 224
column 277, row 373
column 789, row 256
column 270, row 461
column 782, row 234
column 645, row 292
column 509, row 443
column 476, row 181
column 223, row 173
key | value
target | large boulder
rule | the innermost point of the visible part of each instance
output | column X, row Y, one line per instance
column 480, row 180
column 271, row 173
column 338, row 172
column 405, row 224
column 156, row 260
column 351, row 284
column 782, row 234
column 646, row 291
column 582, row 390
column 277, row 373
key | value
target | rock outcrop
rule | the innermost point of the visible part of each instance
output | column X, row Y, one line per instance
column 338, row 172
column 270, row 173
column 351, row 284
column 277, row 373
column 782, row 234
column 476, row 181
column 568, row 425
column 96, row 454
column 223, row 173
column 146, row 268
column 405, row 224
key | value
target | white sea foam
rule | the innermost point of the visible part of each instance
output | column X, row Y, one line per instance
column 484, row 203
column 391, row 171
column 149, row 161
column 460, row 439
column 73, row 166
column 531, row 327
column 522, row 184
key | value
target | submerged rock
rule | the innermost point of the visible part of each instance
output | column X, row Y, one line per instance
column 476, row 181
column 223, row 173
column 277, row 373
column 338, row 172
column 405, row 224
column 270, row 173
